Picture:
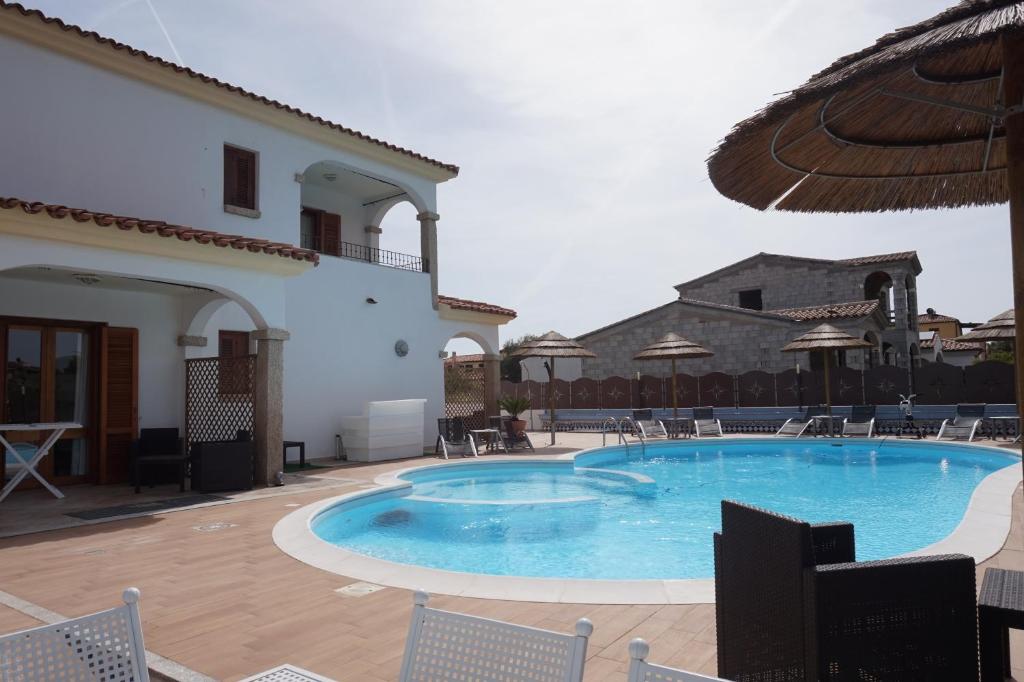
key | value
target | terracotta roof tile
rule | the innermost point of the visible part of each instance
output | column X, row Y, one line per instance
column 140, row 54
column 935, row 318
column 162, row 229
column 880, row 258
column 952, row 345
column 832, row 311
column 475, row 306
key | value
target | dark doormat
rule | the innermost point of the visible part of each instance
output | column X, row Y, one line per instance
column 144, row 507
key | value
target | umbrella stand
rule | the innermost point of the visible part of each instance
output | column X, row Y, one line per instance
column 828, row 391
column 1013, row 83
column 551, row 396
column 675, row 399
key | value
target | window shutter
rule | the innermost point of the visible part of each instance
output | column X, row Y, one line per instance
column 239, row 177
column 331, row 227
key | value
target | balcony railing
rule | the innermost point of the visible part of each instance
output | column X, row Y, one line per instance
column 390, row 259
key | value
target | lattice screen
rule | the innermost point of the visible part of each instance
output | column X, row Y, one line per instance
column 464, row 395
column 219, row 398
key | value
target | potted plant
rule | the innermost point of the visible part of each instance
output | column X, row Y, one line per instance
column 515, row 406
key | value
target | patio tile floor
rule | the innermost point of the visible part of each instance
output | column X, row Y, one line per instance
column 228, row 603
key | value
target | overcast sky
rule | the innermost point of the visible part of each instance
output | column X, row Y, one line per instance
column 581, row 129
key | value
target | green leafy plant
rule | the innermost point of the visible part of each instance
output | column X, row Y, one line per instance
column 514, row 405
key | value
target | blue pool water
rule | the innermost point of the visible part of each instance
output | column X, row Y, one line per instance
column 655, row 519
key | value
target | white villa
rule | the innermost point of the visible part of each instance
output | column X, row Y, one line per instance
column 150, row 215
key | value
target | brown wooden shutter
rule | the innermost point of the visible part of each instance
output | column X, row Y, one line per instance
column 239, row 177
column 119, row 401
column 330, row 225
column 233, row 370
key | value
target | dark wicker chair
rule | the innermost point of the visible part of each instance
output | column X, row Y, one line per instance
column 452, row 433
column 792, row 604
column 158, row 456
column 509, row 435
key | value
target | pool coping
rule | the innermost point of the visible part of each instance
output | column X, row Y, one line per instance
column 980, row 534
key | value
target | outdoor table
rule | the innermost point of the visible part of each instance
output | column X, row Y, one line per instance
column 301, row 445
column 287, row 673
column 1000, row 607
column 57, row 430
column 1005, row 425
column 493, row 438
column 679, row 427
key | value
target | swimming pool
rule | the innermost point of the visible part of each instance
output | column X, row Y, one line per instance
column 649, row 514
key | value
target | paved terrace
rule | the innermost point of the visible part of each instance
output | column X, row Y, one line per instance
column 227, row 603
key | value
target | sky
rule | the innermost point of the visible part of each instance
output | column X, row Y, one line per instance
column 581, row 130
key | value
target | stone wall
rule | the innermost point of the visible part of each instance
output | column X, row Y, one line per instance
column 739, row 341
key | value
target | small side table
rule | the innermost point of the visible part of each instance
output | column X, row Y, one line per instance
column 301, row 445
column 1000, row 607
column 494, row 439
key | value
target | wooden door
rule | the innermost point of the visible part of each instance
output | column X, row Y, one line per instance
column 119, row 401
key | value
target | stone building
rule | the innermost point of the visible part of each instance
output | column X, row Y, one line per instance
column 746, row 312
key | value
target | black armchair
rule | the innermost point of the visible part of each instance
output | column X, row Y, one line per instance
column 792, row 604
column 158, row 456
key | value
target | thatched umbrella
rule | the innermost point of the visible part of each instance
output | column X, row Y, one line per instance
column 825, row 338
column 673, row 347
column 999, row 328
column 930, row 116
column 552, row 345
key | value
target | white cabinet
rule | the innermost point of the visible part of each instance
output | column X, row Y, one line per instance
column 387, row 429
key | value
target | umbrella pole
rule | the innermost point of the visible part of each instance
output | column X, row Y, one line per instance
column 1013, row 83
column 828, row 391
column 675, row 400
column 551, row 393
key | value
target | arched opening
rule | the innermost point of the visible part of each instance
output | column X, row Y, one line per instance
column 342, row 210
column 915, row 355
column 878, row 286
column 467, row 360
column 872, row 355
column 889, row 355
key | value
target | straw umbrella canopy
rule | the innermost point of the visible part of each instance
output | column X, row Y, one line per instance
column 930, row 116
column 999, row 328
column 552, row 345
column 825, row 338
column 673, row 347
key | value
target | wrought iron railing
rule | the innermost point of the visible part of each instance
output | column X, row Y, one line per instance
column 390, row 259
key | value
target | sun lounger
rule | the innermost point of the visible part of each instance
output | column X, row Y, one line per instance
column 509, row 435
column 647, row 425
column 861, row 422
column 796, row 426
column 704, row 422
column 452, row 434
column 964, row 424
column 106, row 645
column 443, row 645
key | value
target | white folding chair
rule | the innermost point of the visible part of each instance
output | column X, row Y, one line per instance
column 642, row 671
column 704, row 422
column 443, row 645
column 964, row 424
column 101, row 646
column 794, row 427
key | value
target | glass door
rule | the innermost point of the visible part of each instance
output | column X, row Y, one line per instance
column 47, row 378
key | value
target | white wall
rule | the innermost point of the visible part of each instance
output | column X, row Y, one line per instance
column 156, row 316
column 92, row 139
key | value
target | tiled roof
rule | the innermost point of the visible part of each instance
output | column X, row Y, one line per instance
column 475, row 306
column 162, row 229
column 771, row 314
column 950, row 345
column 832, row 311
column 464, row 359
column 935, row 318
column 881, row 258
column 139, row 54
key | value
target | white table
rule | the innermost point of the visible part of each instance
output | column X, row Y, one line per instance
column 56, row 430
column 494, row 439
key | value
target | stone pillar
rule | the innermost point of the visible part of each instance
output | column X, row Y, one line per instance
column 268, row 402
column 428, row 248
column 492, row 385
column 372, row 236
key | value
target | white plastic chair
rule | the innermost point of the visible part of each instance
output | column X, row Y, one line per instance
column 794, row 427
column 101, row 646
column 642, row 671
column 647, row 425
column 964, row 424
column 442, row 645
column 704, row 422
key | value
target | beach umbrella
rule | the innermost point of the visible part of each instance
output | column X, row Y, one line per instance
column 673, row 347
column 999, row 328
column 930, row 116
column 825, row 338
column 552, row 345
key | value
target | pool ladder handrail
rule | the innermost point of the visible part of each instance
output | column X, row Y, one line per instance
column 614, row 424
column 635, row 428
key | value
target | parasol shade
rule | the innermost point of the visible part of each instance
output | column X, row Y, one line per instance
column 824, row 337
column 552, row 345
column 999, row 328
column 914, row 121
column 672, row 347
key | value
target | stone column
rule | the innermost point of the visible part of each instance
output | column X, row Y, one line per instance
column 492, row 385
column 268, row 402
column 428, row 248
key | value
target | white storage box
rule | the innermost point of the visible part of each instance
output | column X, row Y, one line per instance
column 387, row 429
